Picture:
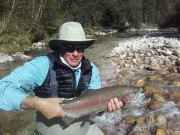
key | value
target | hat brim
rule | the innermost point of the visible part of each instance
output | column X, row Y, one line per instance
column 56, row 43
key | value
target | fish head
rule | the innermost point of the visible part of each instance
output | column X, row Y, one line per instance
column 137, row 93
column 134, row 94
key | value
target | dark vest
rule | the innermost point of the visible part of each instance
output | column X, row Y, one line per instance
column 65, row 78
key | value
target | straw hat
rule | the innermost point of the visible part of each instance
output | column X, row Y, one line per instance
column 71, row 33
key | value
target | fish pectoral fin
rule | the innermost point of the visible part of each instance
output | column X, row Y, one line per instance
column 68, row 119
column 93, row 114
column 100, row 113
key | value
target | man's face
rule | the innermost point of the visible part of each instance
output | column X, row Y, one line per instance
column 72, row 54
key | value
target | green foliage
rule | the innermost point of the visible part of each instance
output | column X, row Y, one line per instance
column 23, row 40
column 1, row 24
column 134, row 13
column 122, row 14
column 29, row 21
column 51, row 18
column 13, row 48
column 173, row 19
column 114, row 13
column 15, row 43
column 89, row 30
column 6, row 39
column 149, row 11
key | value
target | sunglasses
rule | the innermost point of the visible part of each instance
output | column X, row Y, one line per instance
column 72, row 48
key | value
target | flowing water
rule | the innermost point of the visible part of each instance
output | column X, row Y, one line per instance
column 99, row 54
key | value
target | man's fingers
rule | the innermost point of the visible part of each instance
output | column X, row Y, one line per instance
column 114, row 104
column 109, row 107
column 118, row 103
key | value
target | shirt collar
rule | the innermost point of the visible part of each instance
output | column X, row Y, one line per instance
column 73, row 68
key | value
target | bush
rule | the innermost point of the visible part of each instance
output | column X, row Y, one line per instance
column 12, row 48
column 15, row 43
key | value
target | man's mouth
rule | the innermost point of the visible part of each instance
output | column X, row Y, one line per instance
column 75, row 60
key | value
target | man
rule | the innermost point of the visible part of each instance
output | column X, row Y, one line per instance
column 64, row 73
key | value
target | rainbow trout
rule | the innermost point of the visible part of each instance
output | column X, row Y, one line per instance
column 94, row 101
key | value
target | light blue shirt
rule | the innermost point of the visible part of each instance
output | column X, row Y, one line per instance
column 15, row 87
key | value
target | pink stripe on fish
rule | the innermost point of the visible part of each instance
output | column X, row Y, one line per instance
column 125, row 98
column 87, row 104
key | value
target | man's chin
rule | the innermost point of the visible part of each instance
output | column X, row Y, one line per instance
column 74, row 64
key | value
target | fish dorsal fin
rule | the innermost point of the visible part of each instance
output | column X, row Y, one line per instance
column 88, row 92
column 65, row 100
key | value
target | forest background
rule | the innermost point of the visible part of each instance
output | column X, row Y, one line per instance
column 27, row 21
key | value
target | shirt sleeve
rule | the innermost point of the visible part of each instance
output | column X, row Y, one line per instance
column 95, row 82
column 16, row 86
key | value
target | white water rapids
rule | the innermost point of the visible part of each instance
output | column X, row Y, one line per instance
column 115, row 124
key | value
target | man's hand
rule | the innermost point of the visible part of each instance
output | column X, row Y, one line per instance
column 114, row 104
column 49, row 107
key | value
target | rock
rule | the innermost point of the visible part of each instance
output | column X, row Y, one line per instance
column 130, row 119
column 140, row 121
column 168, row 52
column 159, row 98
column 138, row 83
column 176, row 83
column 174, row 96
column 150, row 120
column 155, row 77
column 38, row 45
column 153, row 105
column 177, row 63
column 150, row 89
column 167, row 62
column 21, row 56
column 172, row 69
column 5, row 58
column 147, row 52
column 160, row 131
column 161, row 119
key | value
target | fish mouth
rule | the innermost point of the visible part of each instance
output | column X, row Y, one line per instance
column 138, row 94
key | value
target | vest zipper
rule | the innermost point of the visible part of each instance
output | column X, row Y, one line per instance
column 73, row 84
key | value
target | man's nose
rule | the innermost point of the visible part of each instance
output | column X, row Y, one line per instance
column 75, row 52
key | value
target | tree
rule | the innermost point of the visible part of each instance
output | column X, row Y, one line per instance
column 7, row 18
column 134, row 13
column 173, row 19
column 149, row 11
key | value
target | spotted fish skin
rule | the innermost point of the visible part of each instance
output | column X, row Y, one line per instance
column 94, row 101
